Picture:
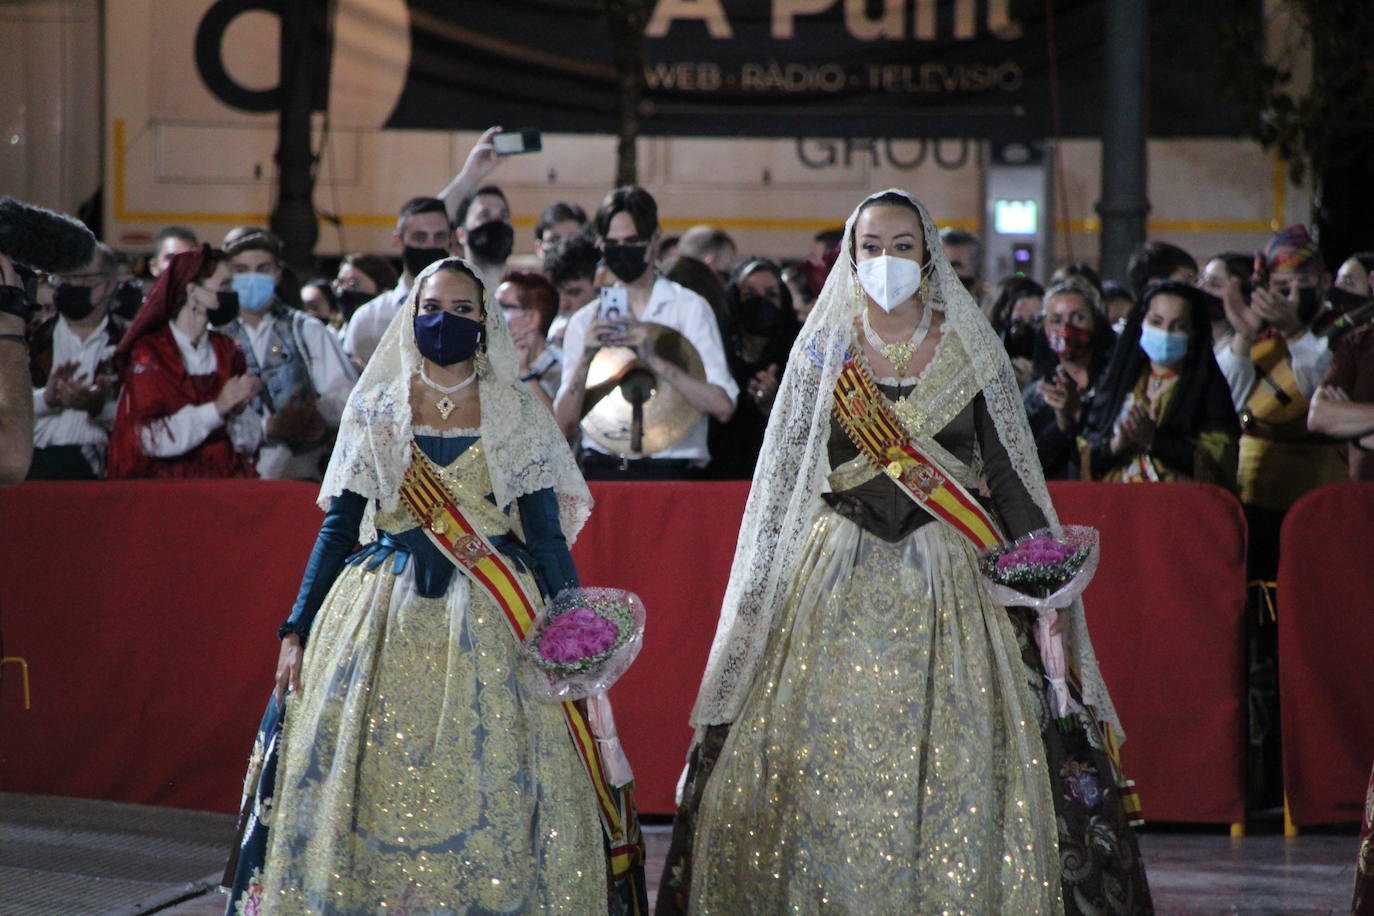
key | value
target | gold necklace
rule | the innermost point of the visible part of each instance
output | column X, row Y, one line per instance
column 899, row 354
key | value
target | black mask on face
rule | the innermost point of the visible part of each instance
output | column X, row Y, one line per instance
column 1215, row 310
column 1343, row 300
column 1308, row 304
column 350, row 300
column 417, row 259
column 226, row 308
column 628, row 262
column 72, row 302
column 128, row 297
column 1019, row 339
column 491, row 242
column 760, row 316
column 968, row 281
column 445, row 339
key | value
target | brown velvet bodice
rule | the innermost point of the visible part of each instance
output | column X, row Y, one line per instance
column 879, row 507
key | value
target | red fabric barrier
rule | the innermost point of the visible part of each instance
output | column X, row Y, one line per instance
column 1326, row 652
column 676, row 555
column 1166, row 613
column 147, row 612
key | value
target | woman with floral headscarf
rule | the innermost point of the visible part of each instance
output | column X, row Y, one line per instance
column 415, row 772
column 869, row 727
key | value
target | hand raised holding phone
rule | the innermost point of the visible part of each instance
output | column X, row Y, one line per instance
column 515, row 142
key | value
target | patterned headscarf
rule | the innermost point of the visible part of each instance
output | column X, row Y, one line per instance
column 1293, row 249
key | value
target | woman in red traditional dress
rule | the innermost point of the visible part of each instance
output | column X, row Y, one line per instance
column 182, row 411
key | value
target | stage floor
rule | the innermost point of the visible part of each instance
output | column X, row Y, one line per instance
column 73, row 856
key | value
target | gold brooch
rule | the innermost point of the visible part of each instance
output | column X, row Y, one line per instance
column 438, row 522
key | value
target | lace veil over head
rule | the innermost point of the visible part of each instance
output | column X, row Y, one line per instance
column 525, row 450
column 793, row 465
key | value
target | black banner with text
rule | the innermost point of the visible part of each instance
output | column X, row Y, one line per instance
column 976, row 68
column 786, row 68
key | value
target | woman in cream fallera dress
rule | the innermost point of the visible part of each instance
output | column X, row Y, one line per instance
column 869, row 731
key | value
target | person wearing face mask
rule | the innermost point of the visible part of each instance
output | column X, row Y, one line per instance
column 760, row 328
column 1274, row 365
column 305, row 375
column 483, row 229
column 319, row 301
column 1163, row 409
column 858, row 666
column 1349, row 299
column 627, row 225
column 75, row 386
column 1214, row 280
column 1117, row 302
column 413, row 747
column 1015, row 316
column 965, row 253
column 422, row 236
column 530, row 302
column 185, row 388
column 360, row 279
column 1356, row 274
column 1077, row 344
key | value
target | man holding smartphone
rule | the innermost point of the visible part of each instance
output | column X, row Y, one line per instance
column 627, row 226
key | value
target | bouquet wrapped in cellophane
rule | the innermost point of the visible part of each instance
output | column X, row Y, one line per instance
column 583, row 641
column 580, row 644
column 1046, row 569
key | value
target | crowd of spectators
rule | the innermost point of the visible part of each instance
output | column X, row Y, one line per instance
column 1253, row 372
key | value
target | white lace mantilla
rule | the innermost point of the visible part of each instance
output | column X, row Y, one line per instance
column 525, row 450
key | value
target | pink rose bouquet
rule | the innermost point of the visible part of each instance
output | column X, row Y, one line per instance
column 1045, row 570
column 574, row 638
column 583, row 640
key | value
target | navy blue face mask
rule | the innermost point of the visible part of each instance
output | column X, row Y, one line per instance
column 445, row 338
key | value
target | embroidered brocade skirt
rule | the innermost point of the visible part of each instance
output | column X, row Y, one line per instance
column 888, row 758
column 417, row 776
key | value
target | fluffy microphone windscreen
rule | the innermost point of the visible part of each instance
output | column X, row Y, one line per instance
column 43, row 240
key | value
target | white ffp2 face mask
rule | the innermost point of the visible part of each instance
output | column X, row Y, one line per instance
column 890, row 281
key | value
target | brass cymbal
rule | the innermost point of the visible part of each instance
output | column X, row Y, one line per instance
column 616, row 374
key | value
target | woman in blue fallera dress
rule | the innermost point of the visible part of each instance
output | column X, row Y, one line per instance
column 414, row 773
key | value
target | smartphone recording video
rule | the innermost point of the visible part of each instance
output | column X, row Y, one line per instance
column 514, row 142
column 614, row 304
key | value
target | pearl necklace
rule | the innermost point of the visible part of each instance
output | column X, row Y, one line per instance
column 445, row 404
column 899, row 354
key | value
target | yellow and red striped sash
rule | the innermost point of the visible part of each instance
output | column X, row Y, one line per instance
column 870, row 422
column 424, row 494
